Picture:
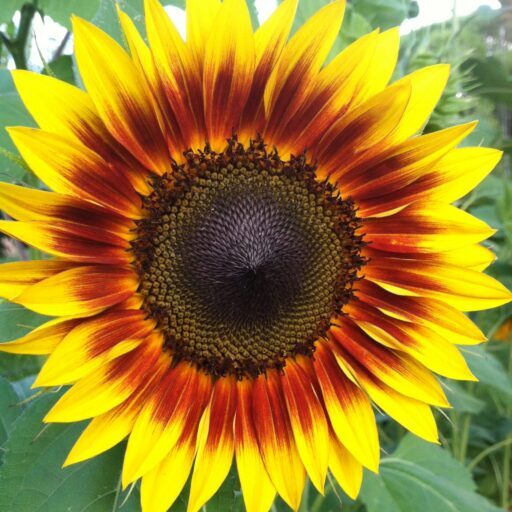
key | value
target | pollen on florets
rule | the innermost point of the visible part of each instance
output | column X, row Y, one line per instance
column 244, row 258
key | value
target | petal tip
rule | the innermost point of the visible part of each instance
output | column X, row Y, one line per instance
column 70, row 460
column 77, row 22
column 49, row 418
column 373, row 466
column 37, row 382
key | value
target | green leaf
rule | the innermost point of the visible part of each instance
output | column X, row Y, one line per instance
column 505, row 208
column 32, row 480
column 488, row 191
column 381, row 14
column 16, row 321
column 361, row 17
column 492, row 79
column 354, row 26
column 228, row 498
column 305, row 9
column 488, row 370
column 488, row 213
column 490, row 320
column 12, row 113
column 62, row 68
column 61, row 10
column 9, row 409
column 461, row 400
column 254, row 14
column 423, row 475
column 24, row 388
column 7, row 9
column 106, row 16
column 435, row 459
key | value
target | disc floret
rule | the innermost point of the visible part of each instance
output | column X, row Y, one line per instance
column 244, row 258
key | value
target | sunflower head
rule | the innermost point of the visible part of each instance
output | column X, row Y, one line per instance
column 249, row 248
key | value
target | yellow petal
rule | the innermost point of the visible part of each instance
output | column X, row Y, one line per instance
column 162, row 485
column 89, row 397
column 56, row 106
column 201, row 16
column 463, row 288
column 102, row 433
column 57, row 239
column 415, row 416
column 397, row 370
column 301, row 59
column 422, row 343
column 427, row 85
column 92, row 344
column 65, row 110
column 461, row 170
column 308, row 423
column 139, row 51
column 381, row 66
column 365, row 127
column 80, row 291
column 63, row 212
column 147, row 66
column 179, row 73
column 476, row 257
column 120, row 94
column 345, row 468
column 444, row 319
column 68, row 167
column 42, row 340
column 269, row 41
column 215, row 444
column 257, row 488
column 342, row 77
column 349, row 410
column 445, row 179
column 18, row 276
column 270, row 37
column 275, row 438
column 333, row 90
column 401, row 165
column 228, row 70
column 426, row 227
column 109, row 386
column 180, row 396
column 26, row 204
column 110, row 428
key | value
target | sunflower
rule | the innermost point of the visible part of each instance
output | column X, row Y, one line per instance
column 249, row 249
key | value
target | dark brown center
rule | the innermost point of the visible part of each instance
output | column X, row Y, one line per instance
column 244, row 258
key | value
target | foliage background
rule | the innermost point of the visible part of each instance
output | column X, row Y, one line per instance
column 470, row 471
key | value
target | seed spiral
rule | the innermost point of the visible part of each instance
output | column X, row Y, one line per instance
column 244, row 258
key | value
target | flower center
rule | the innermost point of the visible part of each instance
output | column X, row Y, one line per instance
column 244, row 258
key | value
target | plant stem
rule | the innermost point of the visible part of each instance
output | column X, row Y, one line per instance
column 507, row 454
column 505, row 489
column 488, row 451
column 118, row 493
column 62, row 46
column 454, row 419
column 305, row 497
column 464, row 431
column 464, row 438
column 17, row 46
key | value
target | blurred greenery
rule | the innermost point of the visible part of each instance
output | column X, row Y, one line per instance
column 471, row 470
